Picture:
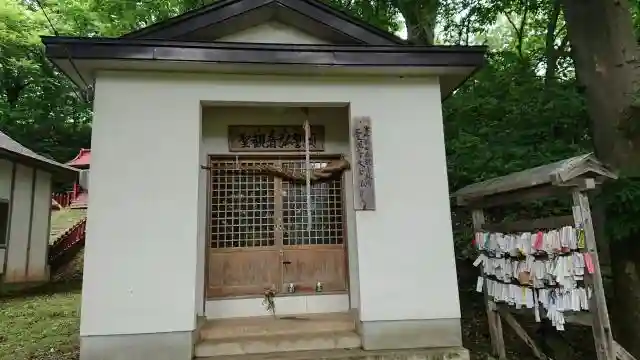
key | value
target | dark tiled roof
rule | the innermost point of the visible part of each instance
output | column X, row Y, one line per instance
column 13, row 150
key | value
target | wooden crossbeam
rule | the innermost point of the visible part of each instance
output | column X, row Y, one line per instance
column 554, row 222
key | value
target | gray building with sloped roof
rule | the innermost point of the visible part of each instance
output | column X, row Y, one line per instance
column 25, row 210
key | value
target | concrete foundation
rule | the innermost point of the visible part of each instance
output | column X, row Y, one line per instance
column 326, row 336
column 457, row 353
column 159, row 346
column 410, row 334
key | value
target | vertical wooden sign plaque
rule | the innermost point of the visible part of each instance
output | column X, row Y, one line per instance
column 364, row 192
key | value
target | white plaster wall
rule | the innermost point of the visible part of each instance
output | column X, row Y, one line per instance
column 147, row 236
column 286, row 305
column 141, row 251
column 38, row 268
column 272, row 32
column 215, row 122
column 20, row 220
column 203, row 225
column 29, row 223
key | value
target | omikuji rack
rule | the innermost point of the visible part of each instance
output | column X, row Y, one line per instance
column 574, row 176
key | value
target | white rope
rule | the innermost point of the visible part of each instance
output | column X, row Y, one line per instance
column 307, row 135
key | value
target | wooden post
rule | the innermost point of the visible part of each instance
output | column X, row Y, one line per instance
column 598, row 305
column 495, row 323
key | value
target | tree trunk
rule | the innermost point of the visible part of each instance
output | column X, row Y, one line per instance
column 602, row 35
column 551, row 53
column 604, row 52
column 420, row 19
column 626, row 281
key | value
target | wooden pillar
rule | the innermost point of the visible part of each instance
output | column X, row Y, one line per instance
column 495, row 323
column 602, row 335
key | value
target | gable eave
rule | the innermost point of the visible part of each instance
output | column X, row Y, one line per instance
column 225, row 11
column 453, row 64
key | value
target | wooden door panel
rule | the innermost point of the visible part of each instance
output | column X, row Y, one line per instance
column 313, row 263
column 242, row 272
column 258, row 221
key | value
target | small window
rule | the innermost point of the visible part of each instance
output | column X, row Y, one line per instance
column 4, row 222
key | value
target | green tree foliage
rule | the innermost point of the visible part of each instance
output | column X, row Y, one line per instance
column 507, row 119
column 38, row 106
column 524, row 109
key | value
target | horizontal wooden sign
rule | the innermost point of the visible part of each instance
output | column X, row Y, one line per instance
column 365, row 192
column 274, row 138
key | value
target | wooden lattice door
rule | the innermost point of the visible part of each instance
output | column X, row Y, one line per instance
column 314, row 253
column 259, row 233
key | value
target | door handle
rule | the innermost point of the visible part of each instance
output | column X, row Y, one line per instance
column 286, row 262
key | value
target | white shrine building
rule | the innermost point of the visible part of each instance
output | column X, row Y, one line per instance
column 178, row 257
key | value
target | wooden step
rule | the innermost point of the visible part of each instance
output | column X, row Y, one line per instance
column 277, row 344
column 288, row 325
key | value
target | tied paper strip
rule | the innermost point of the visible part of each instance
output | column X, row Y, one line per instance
column 538, row 271
column 538, row 242
column 551, row 242
column 588, row 262
column 479, row 284
column 554, row 301
column 564, row 271
column 581, row 239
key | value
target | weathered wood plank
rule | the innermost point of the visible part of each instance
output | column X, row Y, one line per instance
column 522, row 333
column 622, row 353
column 576, row 318
column 493, row 317
column 273, row 138
column 365, row 197
column 555, row 174
column 581, row 318
column 554, row 222
column 598, row 305
column 518, row 196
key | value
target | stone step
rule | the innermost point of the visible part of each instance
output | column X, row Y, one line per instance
column 263, row 326
column 277, row 344
column 356, row 354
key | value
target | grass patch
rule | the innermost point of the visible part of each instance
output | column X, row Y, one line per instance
column 40, row 327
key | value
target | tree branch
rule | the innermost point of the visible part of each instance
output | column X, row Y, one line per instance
column 550, row 40
column 515, row 28
column 523, row 23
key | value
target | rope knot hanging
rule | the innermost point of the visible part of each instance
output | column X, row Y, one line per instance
column 307, row 158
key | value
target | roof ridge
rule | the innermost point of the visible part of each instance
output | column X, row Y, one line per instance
column 347, row 23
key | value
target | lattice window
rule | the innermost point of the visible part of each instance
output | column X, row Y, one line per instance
column 326, row 210
column 243, row 207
